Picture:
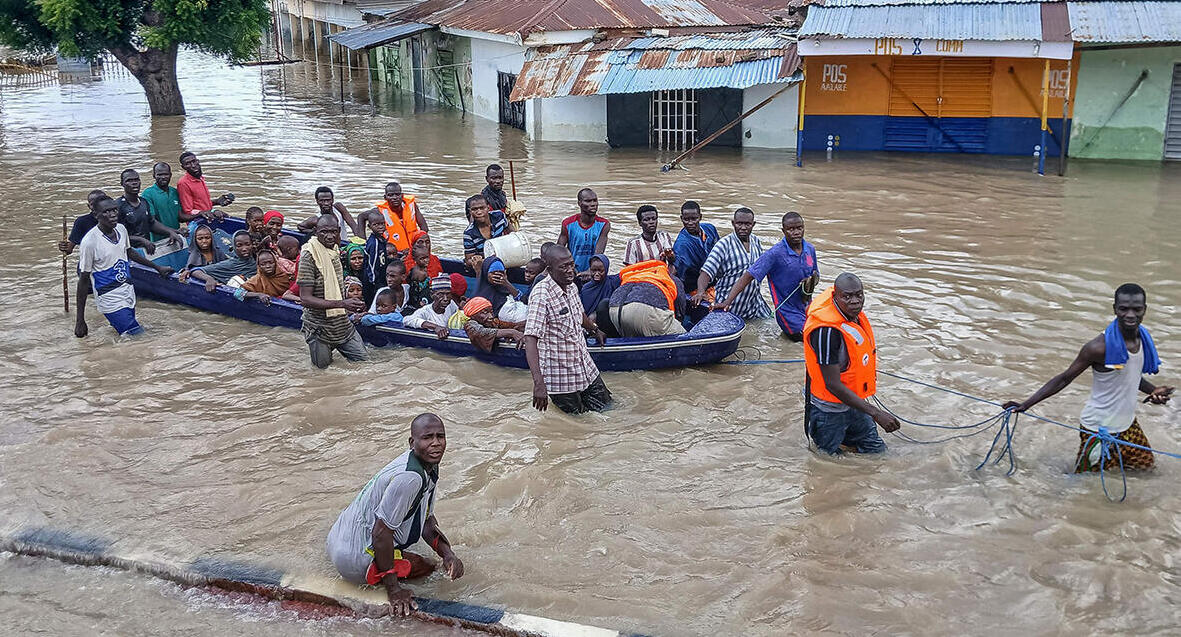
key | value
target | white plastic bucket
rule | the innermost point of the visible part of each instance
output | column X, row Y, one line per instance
column 515, row 249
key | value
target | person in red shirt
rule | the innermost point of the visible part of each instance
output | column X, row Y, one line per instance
column 194, row 194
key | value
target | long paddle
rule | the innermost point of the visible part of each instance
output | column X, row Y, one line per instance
column 65, row 275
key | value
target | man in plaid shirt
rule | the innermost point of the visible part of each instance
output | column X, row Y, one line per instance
column 555, row 342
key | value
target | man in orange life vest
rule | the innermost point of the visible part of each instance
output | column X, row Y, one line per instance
column 401, row 216
column 841, row 359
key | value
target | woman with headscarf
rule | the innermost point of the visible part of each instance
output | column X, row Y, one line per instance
column 420, row 247
column 482, row 329
column 240, row 264
column 600, row 286
column 352, row 258
column 504, row 296
column 203, row 250
column 269, row 280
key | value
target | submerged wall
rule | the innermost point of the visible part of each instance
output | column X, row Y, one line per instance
column 1136, row 130
column 774, row 125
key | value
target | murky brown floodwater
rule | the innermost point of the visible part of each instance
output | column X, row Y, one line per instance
column 694, row 507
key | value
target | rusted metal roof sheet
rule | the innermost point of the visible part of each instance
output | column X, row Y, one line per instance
column 649, row 64
column 522, row 17
column 1126, row 21
column 976, row 21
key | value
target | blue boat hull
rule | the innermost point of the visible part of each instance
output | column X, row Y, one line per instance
column 713, row 339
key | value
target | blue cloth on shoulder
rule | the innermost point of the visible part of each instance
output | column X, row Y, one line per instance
column 369, row 320
column 1117, row 351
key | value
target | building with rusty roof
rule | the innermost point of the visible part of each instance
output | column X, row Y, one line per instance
column 665, row 73
column 1017, row 77
column 1129, row 79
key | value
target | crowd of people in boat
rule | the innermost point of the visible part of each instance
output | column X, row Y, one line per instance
column 378, row 267
column 665, row 286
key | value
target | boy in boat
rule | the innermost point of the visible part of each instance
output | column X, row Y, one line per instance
column 1118, row 359
column 103, row 256
column 394, row 510
column 387, row 310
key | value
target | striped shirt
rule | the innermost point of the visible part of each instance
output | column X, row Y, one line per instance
column 640, row 249
column 726, row 263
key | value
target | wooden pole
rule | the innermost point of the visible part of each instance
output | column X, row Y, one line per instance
column 512, row 178
column 669, row 166
column 65, row 272
column 1065, row 116
column 800, row 120
column 1041, row 159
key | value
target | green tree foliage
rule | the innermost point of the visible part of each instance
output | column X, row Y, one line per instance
column 143, row 34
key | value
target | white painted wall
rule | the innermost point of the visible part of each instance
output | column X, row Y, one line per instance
column 488, row 59
column 580, row 118
column 774, row 125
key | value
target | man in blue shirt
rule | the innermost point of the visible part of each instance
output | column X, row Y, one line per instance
column 692, row 246
column 792, row 271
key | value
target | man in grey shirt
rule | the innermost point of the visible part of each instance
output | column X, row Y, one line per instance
column 391, row 513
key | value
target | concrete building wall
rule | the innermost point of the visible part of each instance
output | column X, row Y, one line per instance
column 337, row 13
column 489, row 58
column 1136, row 130
column 571, row 119
column 446, row 75
column 774, row 125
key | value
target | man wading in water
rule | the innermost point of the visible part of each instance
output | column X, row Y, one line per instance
column 840, row 355
column 1118, row 358
column 393, row 511
column 320, row 276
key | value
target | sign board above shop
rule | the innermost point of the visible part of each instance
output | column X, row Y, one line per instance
column 936, row 48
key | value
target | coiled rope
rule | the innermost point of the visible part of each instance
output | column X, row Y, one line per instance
column 1002, row 442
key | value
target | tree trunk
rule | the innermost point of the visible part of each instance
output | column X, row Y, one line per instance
column 156, row 71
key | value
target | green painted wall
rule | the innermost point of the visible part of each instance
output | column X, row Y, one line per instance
column 1136, row 130
column 448, row 63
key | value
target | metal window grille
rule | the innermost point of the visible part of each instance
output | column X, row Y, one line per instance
column 674, row 119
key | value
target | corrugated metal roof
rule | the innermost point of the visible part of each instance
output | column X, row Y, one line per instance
column 528, row 16
column 1002, row 22
column 642, row 64
column 1126, row 21
column 383, row 7
column 881, row 3
column 377, row 33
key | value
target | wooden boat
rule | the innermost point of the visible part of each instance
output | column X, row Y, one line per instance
column 710, row 341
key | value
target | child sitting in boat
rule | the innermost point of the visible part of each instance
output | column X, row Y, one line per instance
column 386, row 304
column 353, row 290
column 395, row 282
column 267, row 283
column 420, row 287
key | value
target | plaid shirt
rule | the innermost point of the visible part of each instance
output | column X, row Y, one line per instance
column 555, row 318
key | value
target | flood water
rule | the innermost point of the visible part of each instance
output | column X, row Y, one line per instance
column 695, row 506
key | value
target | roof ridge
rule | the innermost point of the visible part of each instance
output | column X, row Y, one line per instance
column 534, row 19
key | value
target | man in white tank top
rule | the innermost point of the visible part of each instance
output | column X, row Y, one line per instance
column 1118, row 358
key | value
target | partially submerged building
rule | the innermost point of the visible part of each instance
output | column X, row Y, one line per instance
column 1129, row 86
column 666, row 73
column 936, row 76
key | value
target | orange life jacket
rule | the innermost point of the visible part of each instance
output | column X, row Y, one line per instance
column 399, row 229
column 655, row 272
column 861, row 375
